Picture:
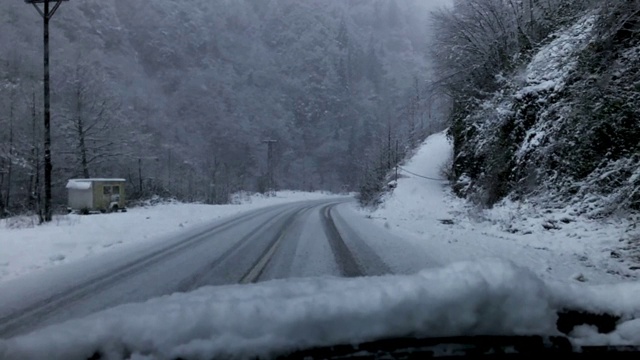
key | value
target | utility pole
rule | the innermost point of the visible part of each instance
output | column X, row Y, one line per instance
column 270, row 165
column 46, row 13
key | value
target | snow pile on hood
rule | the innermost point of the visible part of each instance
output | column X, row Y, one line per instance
column 489, row 298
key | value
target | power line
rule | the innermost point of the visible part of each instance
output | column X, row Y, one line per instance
column 420, row 176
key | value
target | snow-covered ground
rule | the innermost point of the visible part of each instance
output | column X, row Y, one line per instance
column 505, row 271
column 26, row 247
column 463, row 299
column 555, row 244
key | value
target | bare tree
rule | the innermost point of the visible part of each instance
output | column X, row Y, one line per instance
column 478, row 39
column 35, row 164
column 619, row 19
column 90, row 115
column 9, row 82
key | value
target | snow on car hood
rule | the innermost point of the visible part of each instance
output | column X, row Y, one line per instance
column 481, row 298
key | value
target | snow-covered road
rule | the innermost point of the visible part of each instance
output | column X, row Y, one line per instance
column 302, row 239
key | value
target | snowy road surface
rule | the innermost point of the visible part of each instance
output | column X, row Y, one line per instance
column 301, row 239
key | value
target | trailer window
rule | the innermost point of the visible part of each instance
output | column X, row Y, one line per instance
column 106, row 190
column 115, row 189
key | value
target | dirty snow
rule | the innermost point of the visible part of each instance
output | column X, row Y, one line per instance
column 26, row 247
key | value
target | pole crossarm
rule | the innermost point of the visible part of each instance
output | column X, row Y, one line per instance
column 42, row 13
column 39, row 10
column 55, row 8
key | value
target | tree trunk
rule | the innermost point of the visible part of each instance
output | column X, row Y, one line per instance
column 37, row 188
column 2, row 208
column 7, row 201
column 388, row 146
column 82, row 147
column 140, row 176
column 48, row 166
column 35, row 191
column 33, row 160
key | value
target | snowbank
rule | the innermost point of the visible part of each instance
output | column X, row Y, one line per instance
column 418, row 196
column 489, row 298
column 558, row 245
column 26, row 247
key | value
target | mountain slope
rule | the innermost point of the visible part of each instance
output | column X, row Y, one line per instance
column 193, row 87
column 563, row 129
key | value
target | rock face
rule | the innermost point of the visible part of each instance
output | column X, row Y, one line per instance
column 564, row 127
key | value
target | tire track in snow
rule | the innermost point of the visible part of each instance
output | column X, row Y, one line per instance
column 370, row 262
column 15, row 323
column 349, row 266
column 209, row 271
column 254, row 274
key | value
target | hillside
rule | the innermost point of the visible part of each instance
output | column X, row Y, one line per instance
column 560, row 244
column 562, row 127
column 178, row 96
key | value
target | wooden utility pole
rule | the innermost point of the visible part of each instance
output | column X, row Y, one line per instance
column 47, row 13
column 271, row 187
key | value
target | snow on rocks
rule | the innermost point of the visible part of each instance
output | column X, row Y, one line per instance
column 550, row 67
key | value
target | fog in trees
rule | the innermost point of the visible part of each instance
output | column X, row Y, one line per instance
column 178, row 97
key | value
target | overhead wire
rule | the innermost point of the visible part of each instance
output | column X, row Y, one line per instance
column 420, row 176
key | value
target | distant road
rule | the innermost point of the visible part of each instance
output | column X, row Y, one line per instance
column 292, row 240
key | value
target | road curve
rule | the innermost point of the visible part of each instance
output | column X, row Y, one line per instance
column 292, row 240
column 345, row 259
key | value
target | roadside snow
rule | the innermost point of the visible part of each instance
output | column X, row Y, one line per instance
column 555, row 244
column 26, row 247
column 480, row 298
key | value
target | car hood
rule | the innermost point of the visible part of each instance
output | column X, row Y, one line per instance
column 491, row 297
